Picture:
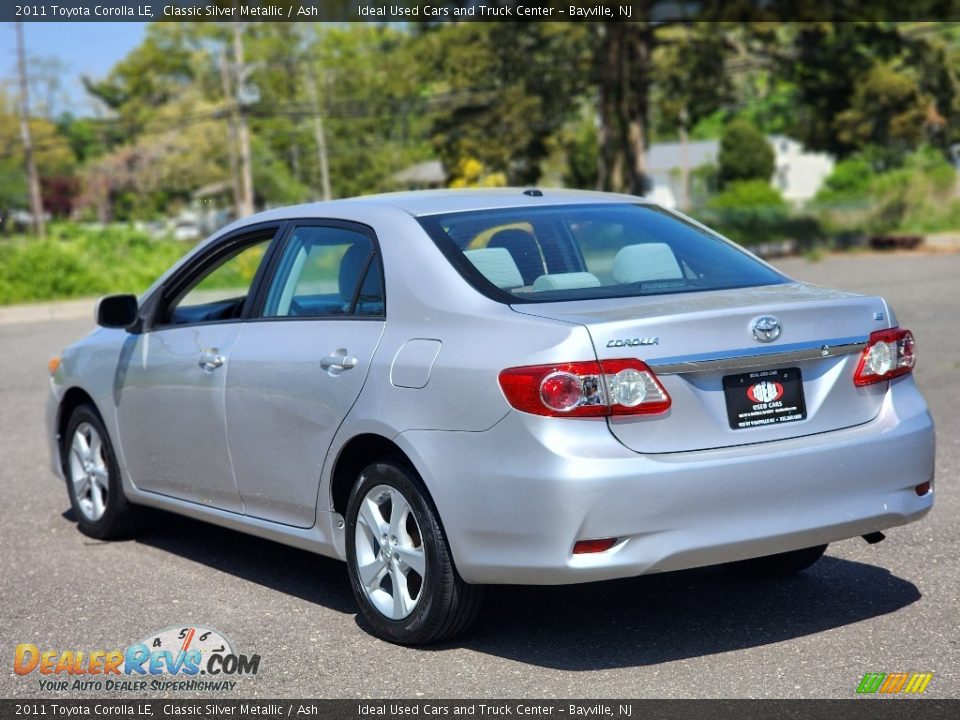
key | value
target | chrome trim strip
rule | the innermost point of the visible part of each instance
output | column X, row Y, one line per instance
column 755, row 357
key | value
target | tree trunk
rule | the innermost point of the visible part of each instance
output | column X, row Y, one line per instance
column 624, row 80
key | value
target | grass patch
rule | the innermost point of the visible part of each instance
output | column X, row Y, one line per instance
column 75, row 261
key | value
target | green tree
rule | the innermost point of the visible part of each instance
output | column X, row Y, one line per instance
column 55, row 159
column 154, row 73
column 744, row 154
column 837, row 69
column 376, row 114
column 888, row 111
column 578, row 144
column 505, row 89
column 690, row 83
column 162, row 166
column 88, row 137
column 825, row 62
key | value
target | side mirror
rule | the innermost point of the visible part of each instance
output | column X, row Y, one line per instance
column 117, row 311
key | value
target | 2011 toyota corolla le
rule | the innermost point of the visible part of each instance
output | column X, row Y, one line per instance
column 452, row 389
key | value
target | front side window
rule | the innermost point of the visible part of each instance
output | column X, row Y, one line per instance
column 327, row 272
column 582, row 252
column 221, row 291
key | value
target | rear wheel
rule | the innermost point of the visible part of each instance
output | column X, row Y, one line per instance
column 401, row 570
column 93, row 478
column 779, row 565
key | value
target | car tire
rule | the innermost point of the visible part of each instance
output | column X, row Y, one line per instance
column 400, row 566
column 93, row 478
column 780, row 565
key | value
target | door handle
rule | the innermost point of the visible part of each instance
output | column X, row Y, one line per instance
column 211, row 359
column 338, row 361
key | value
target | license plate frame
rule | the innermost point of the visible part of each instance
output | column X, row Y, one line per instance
column 764, row 398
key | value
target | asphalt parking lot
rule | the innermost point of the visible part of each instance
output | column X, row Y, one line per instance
column 884, row 608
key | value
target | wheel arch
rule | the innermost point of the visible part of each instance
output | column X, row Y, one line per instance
column 72, row 399
column 356, row 454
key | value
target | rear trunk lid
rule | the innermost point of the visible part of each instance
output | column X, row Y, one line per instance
column 693, row 341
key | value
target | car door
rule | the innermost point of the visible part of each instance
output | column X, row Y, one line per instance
column 170, row 408
column 297, row 370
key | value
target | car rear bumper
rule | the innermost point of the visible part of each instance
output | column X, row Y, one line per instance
column 514, row 499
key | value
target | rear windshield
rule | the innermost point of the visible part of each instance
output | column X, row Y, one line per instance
column 583, row 252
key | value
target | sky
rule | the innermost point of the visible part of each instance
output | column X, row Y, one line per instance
column 83, row 48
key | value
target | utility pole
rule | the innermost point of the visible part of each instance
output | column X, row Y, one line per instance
column 318, row 132
column 232, row 124
column 36, row 202
column 684, row 160
column 241, row 71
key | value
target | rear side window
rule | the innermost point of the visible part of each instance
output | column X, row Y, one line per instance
column 581, row 252
column 326, row 272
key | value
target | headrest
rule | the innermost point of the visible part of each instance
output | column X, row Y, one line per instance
column 351, row 265
column 497, row 266
column 566, row 281
column 646, row 262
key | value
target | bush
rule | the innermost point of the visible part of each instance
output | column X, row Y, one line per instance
column 744, row 154
column 74, row 261
column 916, row 197
column 749, row 212
column 848, row 184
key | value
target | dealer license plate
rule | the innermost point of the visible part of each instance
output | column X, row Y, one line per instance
column 765, row 397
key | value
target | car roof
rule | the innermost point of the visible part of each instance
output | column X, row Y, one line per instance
column 431, row 202
column 420, row 203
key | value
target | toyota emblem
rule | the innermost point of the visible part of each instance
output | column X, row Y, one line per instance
column 766, row 329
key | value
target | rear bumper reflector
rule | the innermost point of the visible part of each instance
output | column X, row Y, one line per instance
column 583, row 547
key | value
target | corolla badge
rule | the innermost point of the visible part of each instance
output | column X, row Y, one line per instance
column 766, row 329
column 633, row 342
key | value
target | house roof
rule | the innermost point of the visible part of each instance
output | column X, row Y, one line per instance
column 429, row 172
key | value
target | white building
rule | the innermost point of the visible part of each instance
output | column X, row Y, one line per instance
column 798, row 174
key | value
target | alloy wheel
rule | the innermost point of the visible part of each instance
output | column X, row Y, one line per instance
column 391, row 562
column 88, row 471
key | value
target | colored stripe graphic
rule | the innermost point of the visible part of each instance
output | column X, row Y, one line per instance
column 918, row 682
column 893, row 683
column 871, row 682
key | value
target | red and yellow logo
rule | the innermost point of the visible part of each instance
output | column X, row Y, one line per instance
column 764, row 392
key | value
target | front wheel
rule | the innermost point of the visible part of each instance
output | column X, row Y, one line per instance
column 401, row 570
column 93, row 478
column 779, row 565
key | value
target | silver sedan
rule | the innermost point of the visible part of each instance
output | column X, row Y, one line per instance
column 454, row 389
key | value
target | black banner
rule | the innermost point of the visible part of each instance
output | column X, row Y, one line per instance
column 474, row 10
column 859, row 709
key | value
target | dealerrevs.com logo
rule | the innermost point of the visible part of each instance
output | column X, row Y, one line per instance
column 188, row 658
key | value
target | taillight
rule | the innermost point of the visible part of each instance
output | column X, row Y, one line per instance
column 889, row 354
column 585, row 389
